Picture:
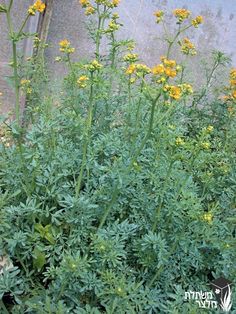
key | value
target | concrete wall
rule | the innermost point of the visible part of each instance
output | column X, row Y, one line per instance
column 218, row 31
column 19, row 11
column 68, row 21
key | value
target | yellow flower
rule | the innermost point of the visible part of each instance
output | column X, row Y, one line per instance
column 82, row 81
column 115, row 2
column 130, row 57
column 179, row 141
column 158, row 69
column 159, row 16
column 233, row 74
column 170, row 72
column 24, row 82
column 234, row 94
column 232, row 83
column 65, row 46
column 84, row 3
column 181, row 14
column 130, row 70
column 210, row 128
column 175, row 92
column 64, row 43
column 168, row 63
column 188, row 47
column 38, row 6
column 208, row 217
column 205, row 145
column 112, row 27
column 198, row 20
column 89, row 10
column 31, row 10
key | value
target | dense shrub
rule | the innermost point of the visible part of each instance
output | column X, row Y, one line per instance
column 120, row 197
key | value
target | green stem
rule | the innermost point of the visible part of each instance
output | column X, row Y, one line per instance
column 116, row 190
column 171, row 42
column 138, row 108
column 87, row 138
column 23, row 25
column 15, row 64
column 98, row 34
column 17, row 85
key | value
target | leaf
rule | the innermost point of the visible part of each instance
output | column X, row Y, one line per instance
column 3, row 9
column 39, row 259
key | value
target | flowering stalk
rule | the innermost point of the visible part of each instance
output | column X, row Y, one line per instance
column 116, row 190
column 171, row 42
column 87, row 137
column 15, row 37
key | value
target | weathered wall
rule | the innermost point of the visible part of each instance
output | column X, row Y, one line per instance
column 218, row 31
column 68, row 21
column 18, row 13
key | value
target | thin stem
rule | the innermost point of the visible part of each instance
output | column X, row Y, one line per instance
column 17, row 85
column 87, row 138
column 15, row 64
column 171, row 42
column 116, row 190
column 138, row 108
column 23, row 25
column 98, row 34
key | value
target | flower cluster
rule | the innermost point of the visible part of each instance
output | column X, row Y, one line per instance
column 25, row 85
column 113, row 25
column 65, row 47
column 181, row 14
column 38, row 6
column 205, row 145
column 232, row 89
column 188, row 48
column 179, row 141
column 91, row 10
column 138, row 69
column 197, row 21
column 131, row 58
column 5, row 136
column 159, row 16
column 82, row 81
column 174, row 91
column 93, row 66
column 207, row 217
column 186, row 89
column 167, row 69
